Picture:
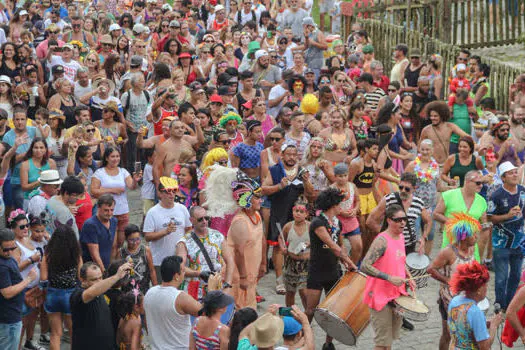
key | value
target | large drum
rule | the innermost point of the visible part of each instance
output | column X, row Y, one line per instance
column 417, row 265
column 342, row 314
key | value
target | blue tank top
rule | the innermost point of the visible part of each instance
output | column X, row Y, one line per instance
column 33, row 174
column 397, row 140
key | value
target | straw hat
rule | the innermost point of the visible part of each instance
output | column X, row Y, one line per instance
column 266, row 331
column 111, row 84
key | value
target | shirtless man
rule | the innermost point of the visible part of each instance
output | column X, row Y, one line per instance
column 440, row 130
column 169, row 152
column 78, row 33
column 362, row 173
column 517, row 128
column 157, row 140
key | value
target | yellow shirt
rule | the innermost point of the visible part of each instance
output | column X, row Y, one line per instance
column 12, row 125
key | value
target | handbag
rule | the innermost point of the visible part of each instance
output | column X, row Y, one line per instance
column 34, row 297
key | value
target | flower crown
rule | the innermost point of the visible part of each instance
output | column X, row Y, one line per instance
column 14, row 214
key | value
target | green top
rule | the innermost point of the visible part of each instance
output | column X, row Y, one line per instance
column 473, row 95
column 460, row 170
column 461, row 118
column 454, row 203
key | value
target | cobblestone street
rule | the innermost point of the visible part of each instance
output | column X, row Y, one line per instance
column 424, row 337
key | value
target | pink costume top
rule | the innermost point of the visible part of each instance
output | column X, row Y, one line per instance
column 266, row 125
column 349, row 223
column 379, row 292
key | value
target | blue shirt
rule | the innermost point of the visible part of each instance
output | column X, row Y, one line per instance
column 507, row 234
column 250, row 156
column 63, row 12
column 464, row 320
column 94, row 232
column 9, row 276
column 9, row 138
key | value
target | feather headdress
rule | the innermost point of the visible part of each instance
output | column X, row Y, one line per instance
column 219, row 192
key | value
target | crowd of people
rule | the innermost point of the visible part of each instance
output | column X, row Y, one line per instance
column 258, row 141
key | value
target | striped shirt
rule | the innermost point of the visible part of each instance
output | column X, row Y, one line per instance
column 416, row 207
column 372, row 98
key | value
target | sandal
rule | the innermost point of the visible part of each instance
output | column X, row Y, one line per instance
column 279, row 289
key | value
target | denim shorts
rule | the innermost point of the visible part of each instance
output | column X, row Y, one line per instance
column 266, row 203
column 57, row 300
column 355, row 232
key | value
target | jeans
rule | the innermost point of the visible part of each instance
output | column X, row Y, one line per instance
column 507, row 266
column 57, row 300
column 18, row 196
column 10, row 335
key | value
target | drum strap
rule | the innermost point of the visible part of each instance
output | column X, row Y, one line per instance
column 203, row 251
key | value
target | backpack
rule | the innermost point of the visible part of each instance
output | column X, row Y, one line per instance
column 239, row 16
column 128, row 100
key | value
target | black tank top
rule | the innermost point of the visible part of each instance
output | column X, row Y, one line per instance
column 412, row 76
column 365, row 179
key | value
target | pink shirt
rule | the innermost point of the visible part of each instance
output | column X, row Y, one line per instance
column 379, row 292
column 267, row 125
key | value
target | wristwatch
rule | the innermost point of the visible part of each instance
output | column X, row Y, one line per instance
column 226, row 285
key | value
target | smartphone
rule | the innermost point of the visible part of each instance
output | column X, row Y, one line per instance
column 138, row 167
column 285, row 311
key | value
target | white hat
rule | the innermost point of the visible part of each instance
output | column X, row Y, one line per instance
column 50, row 177
column 309, row 21
column 5, row 79
column 139, row 28
column 260, row 53
column 461, row 66
column 506, row 166
column 167, row 7
column 151, row 1
column 23, row 13
column 219, row 8
column 114, row 26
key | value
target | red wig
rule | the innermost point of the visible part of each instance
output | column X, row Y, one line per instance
column 468, row 278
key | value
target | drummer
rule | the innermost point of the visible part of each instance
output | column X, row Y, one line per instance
column 385, row 265
column 463, row 231
column 326, row 251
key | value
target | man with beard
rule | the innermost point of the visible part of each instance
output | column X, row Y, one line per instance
column 169, row 152
column 504, row 147
column 440, row 130
column 265, row 75
column 421, row 98
column 414, row 207
column 517, row 130
column 287, row 182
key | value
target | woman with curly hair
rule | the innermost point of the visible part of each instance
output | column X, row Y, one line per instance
column 297, row 85
column 59, row 273
column 36, row 160
column 466, row 322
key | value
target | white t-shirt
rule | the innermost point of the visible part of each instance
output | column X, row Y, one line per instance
column 275, row 92
column 148, row 188
column 70, row 68
column 157, row 219
column 81, row 91
column 118, row 181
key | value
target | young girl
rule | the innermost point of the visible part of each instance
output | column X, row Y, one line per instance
column 208, row 332
column 42, row 128
column 350, row 210
column 295, row 245
column 134, row 249
column 129, row 332
column 6, row 97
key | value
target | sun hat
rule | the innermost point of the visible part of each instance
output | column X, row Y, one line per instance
column 50, row 177
column 106, row 39
column 111, row 84
column 506, row 166
column 266, row 331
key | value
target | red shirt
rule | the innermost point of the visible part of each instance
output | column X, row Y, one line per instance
column 85, row 211
column 382, row 83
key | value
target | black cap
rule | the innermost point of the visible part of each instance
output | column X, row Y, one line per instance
column 214, row 300
column 224, row 90
column 57, row 69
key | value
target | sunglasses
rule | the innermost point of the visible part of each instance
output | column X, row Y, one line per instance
column 76, row 25
column 392, row 90
column 110, row 45
column 405, row 188
column 90, row 130
column 91, row 60
column 165, row 25
column 273, row 57
column 225, row 142
column 133, row 240
column 107, row 110
column 168, row 190
column 399, row 219
column 276, row 139
column 54, row 31
column 478, row 183
column 23, row 226
column 324, row 81
column 126, row 21
column 5, row 250
column 206, row 52
column 207, row 218
column 209, row 41
column 463, row 59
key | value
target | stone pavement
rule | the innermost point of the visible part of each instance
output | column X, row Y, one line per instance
column 424, row 337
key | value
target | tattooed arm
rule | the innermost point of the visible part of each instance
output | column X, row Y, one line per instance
column 376, row 251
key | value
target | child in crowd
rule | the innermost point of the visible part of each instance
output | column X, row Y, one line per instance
column 460, row 81
column 41, row 118
column 349, row 210
column 129, row 331
column 143, row 269
column 295, row 245
column 147, row 192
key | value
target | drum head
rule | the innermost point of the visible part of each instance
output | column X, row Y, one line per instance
column 416, row 261
column 335, row 327
column 412, row 304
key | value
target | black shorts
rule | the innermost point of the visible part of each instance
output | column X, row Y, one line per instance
column 442, row 310
column 321, row 285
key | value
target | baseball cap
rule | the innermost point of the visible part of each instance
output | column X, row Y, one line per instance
column 40, row 26
column 415, row 52
column 23, row 13
column 219, row 8
column 460, row 67
column 506, row 166
column 136, row 61
column 224, row 90
column 175, row 24
column 167, row 7
column 114, row 26
column 309, row 71
column 57, row 69
column 368, row 48
column 260, row 53
column 216, row 98
column 195, row 86
column 139, row 28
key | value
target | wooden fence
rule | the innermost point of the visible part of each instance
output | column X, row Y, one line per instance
column 386, row 36
column 468, row 23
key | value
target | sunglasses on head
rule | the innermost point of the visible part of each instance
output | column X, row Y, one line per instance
column 405, row 188
column 207, row 218
column 168, row 190
column 400, row 219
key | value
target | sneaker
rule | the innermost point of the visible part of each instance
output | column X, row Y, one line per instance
column 407, row 325
column 44, row 339
column 328, row 346
column 29, row 345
